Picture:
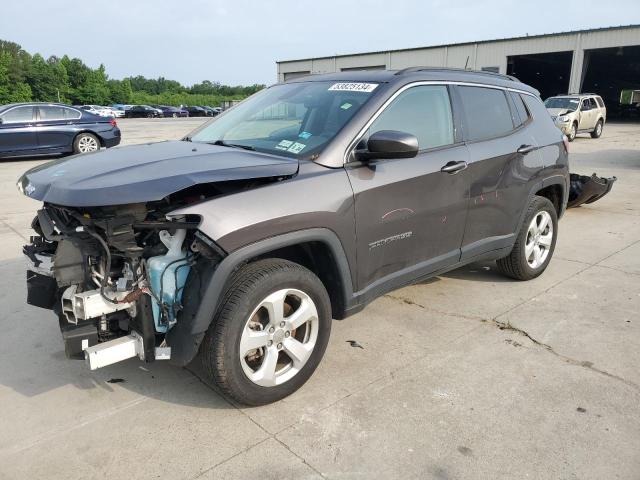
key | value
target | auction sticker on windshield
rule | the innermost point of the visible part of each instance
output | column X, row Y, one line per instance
column 353, row 87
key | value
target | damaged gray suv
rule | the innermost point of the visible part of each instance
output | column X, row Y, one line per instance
column 302, row 204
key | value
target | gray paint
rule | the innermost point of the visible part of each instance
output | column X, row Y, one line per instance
column 386, row 222
column 144, row 173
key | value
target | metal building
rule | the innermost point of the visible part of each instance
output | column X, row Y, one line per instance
column 603, row 60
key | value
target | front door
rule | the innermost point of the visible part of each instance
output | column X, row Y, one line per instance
column 587, row 115
column 17, row 131
column 410, row 215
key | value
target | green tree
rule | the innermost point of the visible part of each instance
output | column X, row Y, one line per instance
column 95, row 89
column 119, row 91
column 11, row 91
column 48, row 79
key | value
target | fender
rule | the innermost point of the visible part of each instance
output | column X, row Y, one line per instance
column 186, row 336
column 546, row 182
column 563, row 181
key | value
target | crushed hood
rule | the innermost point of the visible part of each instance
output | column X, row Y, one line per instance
column 144, row 173
column 554, row 112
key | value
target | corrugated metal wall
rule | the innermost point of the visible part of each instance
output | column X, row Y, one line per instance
column 473, row 55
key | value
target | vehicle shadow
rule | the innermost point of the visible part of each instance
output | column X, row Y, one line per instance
column 479, row 272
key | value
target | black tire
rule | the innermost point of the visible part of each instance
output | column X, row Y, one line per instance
column 573, row 132
column 175, row 115
column 597, row 132
column 84, row 136
column 220, row 350
column 150, row 115
column 515, row 265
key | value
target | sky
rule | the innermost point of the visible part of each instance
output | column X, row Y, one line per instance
column 238, row 41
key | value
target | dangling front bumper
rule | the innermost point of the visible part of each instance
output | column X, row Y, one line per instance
column 585, row 189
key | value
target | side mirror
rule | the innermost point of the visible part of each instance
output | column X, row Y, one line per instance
column 389, row 144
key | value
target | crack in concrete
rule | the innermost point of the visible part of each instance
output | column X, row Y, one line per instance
column 572, row 361
column 507, row 326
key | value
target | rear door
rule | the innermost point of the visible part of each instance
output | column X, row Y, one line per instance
column 56, row 127
column 410, row 215
column 17, row 130
column 504, row 158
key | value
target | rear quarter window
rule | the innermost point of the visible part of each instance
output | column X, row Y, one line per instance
column 523, row 115
column 486, row 112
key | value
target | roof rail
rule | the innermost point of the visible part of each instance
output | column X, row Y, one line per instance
column 482, row 72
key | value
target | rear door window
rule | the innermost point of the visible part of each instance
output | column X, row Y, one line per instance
column 486, row 113
column 423, row 111
column 18, row 115
column 51, row 113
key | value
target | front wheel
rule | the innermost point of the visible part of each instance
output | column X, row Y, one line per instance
column 573, row 132
column 270, row 333
column 85, row 143
column 535, row 242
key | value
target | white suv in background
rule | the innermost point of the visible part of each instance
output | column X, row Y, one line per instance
column 580, row 113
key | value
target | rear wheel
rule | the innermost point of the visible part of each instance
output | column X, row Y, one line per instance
column 270, row 333
column 85, row 143
column 535, row 243
column 598, row 130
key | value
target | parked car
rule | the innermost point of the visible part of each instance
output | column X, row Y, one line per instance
column 173, row 112
column 211, row 112
column 51, row 128
column 574, row 114
column 142, row 111
column 302, row 204
column 97, row 110
column 197, row 112
column 117, row 112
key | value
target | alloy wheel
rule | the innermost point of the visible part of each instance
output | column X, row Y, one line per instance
column 279, row 337
column 539, row 239
column 87, row 144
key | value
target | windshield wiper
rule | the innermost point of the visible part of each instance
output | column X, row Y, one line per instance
column 222, row 143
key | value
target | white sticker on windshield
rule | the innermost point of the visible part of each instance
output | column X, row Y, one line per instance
column 353, row 87
column 296, row 147
column 284, row 144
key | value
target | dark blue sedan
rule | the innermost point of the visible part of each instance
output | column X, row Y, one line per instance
column 51, row 128
column 173, row 111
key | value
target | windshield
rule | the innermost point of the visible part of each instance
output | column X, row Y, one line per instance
column 565, row 103
column 295, row 119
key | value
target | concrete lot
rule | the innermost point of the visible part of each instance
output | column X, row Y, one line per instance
column 466, row 376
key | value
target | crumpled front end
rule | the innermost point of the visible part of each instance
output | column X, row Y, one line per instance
column 115, row 276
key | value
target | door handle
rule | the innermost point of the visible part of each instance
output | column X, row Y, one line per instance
column 454, row 167
column 524, row 149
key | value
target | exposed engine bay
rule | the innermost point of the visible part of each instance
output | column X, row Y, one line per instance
column 115, row 275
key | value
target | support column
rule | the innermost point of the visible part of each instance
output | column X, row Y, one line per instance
column 575, row 79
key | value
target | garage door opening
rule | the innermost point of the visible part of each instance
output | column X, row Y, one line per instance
column 609, row 71
column 547, row 72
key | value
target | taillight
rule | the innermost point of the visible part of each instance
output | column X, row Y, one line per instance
column 114, row 124
column 565, row 140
